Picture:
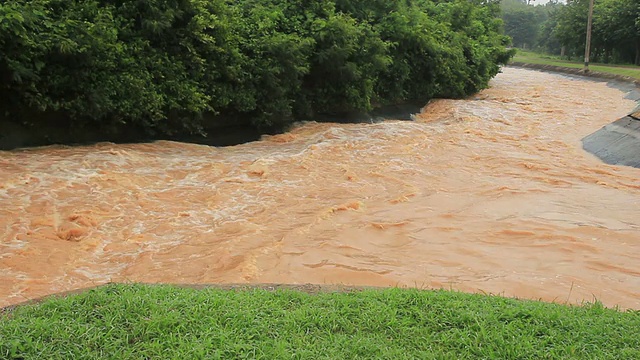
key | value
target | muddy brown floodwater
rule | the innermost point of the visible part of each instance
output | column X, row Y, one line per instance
column 492, row 194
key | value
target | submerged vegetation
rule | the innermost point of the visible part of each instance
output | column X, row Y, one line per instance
column 164, row 322
column 162, row 66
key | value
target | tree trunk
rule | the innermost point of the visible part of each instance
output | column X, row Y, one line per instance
column 638, row 52
column 562, row 51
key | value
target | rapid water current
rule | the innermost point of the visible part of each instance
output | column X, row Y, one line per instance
column 490, row 194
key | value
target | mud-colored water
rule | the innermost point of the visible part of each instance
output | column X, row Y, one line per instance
column 490, row 194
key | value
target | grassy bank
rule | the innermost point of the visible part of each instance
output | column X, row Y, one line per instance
column 153, row 322
column 535, row 58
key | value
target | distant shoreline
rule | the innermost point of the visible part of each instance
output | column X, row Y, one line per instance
column 574, row 71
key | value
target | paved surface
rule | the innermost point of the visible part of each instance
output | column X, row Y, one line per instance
column 617, row 143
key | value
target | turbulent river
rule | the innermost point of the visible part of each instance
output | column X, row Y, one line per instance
column 491, row 194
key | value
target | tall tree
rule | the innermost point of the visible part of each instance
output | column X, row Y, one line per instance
column 616, row 29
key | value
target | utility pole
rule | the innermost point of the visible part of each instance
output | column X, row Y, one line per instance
column 587, row 49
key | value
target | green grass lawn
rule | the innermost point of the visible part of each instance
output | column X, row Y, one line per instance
column 535, row 58
column 164, row 322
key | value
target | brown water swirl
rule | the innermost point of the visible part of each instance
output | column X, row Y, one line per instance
column 491, row 194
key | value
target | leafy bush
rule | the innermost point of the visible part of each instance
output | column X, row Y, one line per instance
column 158, row 66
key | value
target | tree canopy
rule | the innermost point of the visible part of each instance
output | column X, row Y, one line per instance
column 159, row 66
column 615, row 32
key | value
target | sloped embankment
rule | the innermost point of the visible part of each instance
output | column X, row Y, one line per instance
column 617, row 143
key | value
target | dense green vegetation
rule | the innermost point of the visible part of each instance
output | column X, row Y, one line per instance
column 160, row 66
column 163, row 322
column 530, row 26
column 556, row 28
